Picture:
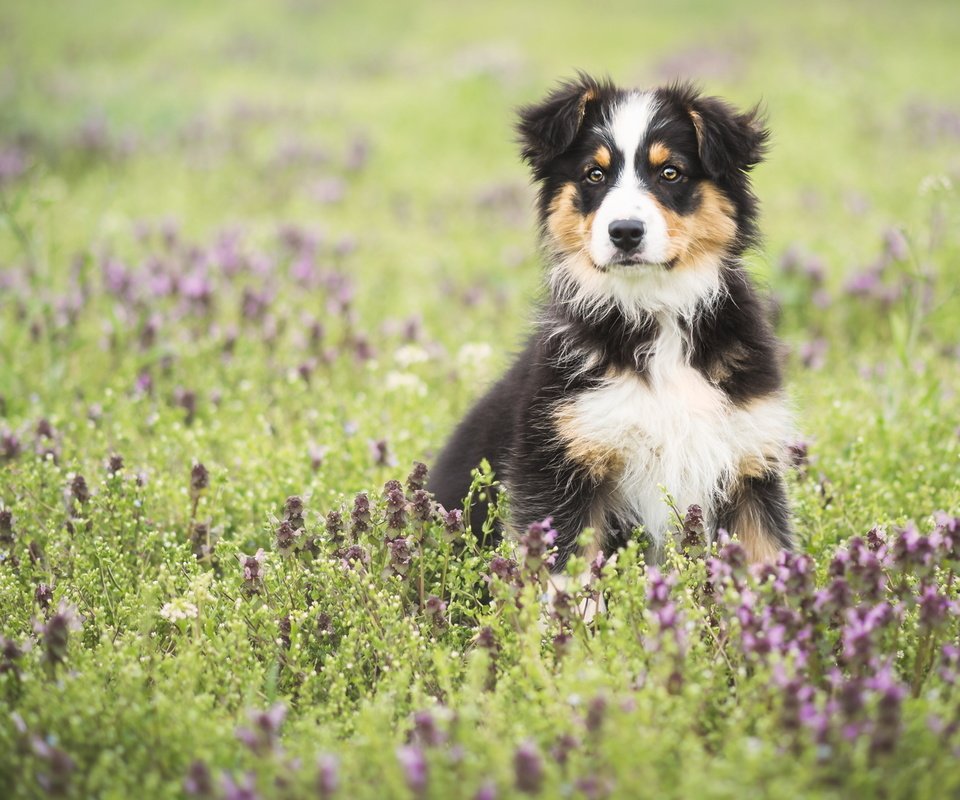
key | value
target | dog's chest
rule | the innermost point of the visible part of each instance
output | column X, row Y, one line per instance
column 670, row 431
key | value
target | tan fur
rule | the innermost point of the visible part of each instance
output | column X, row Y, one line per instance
column 659, row 154
column 706, row 232
column 599, row 460
column 602, row 157
column 568, row 227
column 760, row 545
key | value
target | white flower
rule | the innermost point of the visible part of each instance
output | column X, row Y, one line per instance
column 178, row 609
column 474, row 354
column 405, row 381
column 410, row 354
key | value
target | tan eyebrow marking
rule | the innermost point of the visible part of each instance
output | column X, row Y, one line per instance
column 659, row 154
column 602, row 157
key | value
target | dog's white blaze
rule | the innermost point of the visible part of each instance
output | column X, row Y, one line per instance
column 628, row 198
column 677, row 433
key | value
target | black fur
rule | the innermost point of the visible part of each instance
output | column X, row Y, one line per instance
column 731, row 343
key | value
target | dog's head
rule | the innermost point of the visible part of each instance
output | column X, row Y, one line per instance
column 642, row 193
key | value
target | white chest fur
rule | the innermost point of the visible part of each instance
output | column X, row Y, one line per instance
column 671, row 432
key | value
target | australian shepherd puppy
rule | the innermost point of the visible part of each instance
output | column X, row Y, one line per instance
column 653, row 373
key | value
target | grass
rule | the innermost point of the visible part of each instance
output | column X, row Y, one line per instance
column 289, row 242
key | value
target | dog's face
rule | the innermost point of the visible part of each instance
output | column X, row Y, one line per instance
column 641, row 192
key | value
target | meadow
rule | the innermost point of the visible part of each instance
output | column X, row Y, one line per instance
column 256, row 259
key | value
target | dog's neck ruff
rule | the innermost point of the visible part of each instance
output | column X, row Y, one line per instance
column 638, row 293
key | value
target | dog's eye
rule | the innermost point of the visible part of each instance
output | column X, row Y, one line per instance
column 670, row 174
column 595, row 175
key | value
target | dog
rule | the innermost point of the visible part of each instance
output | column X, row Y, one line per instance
column 652, row 380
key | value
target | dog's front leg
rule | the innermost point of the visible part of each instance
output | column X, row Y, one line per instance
column 756, row 511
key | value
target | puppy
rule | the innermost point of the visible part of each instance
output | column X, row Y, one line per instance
column 653, row 372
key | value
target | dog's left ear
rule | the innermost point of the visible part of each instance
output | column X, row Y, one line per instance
column 548, row 128
column 731, row 143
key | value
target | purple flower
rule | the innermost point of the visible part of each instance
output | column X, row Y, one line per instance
column 565, row 744
column 693, row 534
column 263, row 736
column 293, row 511
column 380, row 452
column 239, row 791
column 452, row 522
column 506, row 569
column 658, row 588
column 328, row 776
column 252, row 571
column 354, row 556
column 360, row 517
column 79, row 491
column 417, row 478
column 334, row 526
column 6, row 527
column 934, row 607
column 435, row 609
column 55, row 774
column 56, row 633
column 400, row 557
column 486, row 791
column 199, row 781
column 596, row 713
column 421, row 505
column 199, row 479
column 396, row 505
column 912, row 552
column 43, row 594
column 528, row 767
column 287, row 539
column 535, row 544
column 426, row 732
column 414, row 764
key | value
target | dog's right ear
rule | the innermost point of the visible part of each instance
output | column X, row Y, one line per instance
column 548, row 128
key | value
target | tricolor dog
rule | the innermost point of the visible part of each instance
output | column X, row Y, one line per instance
column 653, row 370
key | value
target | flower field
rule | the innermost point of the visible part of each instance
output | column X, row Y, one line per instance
column 256, row 260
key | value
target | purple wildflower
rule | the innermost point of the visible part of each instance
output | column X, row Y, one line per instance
column 199, row 781
column 328, row 775
column 199, row 480
column 287, row 539
column 360, row 517
column 528, row 767
column 417, row 478
column 355, row 556
column 54, row 777
column 239, row 791
column 293, row 511
column 43, row 594
column 421, row 505
column 414, row 764
column 252, row 571
column 380, row 453
column 334, row 526
column 452, row 522
column 486, row 791
column 535, row 545
column 396, row 505
column 56, row 633
column 263, row 735
column 693, row 535
column 400, row 557
column 6, row 527
column 435, row 609
column 426, row 732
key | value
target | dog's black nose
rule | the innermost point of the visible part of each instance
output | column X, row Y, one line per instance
column 626, row 234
